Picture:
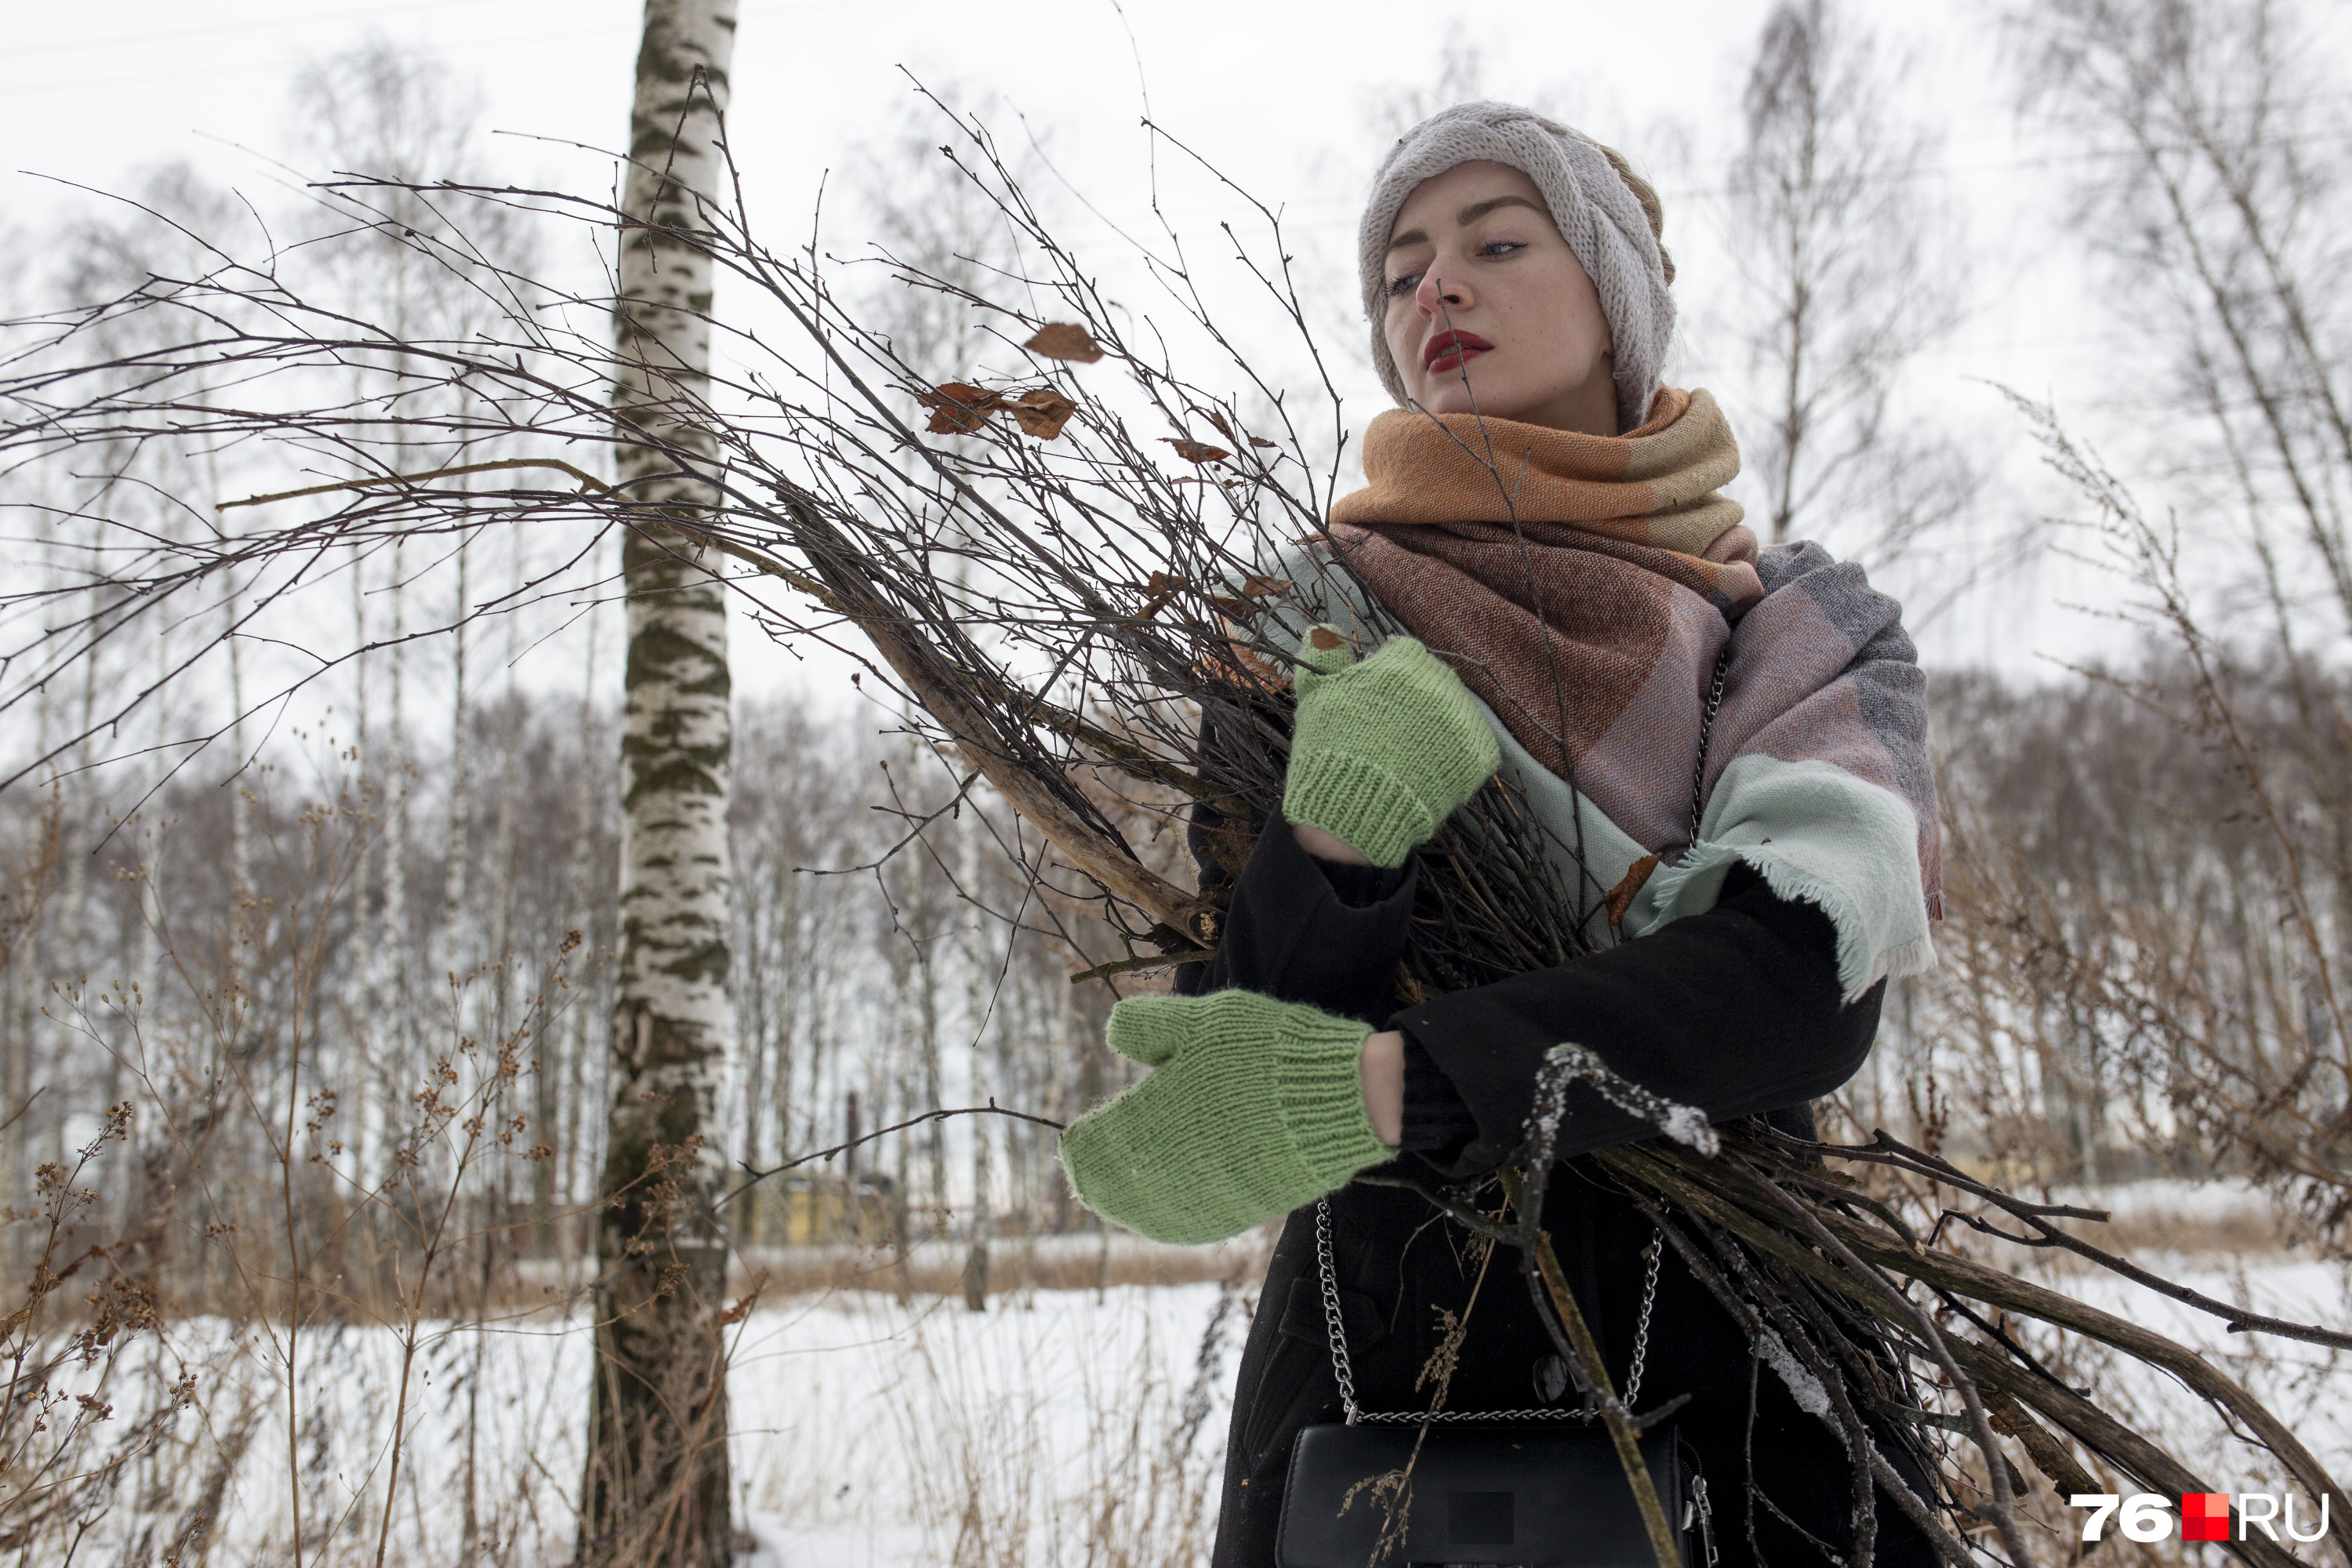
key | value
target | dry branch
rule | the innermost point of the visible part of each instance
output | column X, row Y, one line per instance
column 1008, row 583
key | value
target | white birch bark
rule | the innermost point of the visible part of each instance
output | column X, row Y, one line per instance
column 974, row 944
column 240, row 804
column 456, row 950
column 560, row 1175
column 366, row 926
column 656, row 1484
column 392, row 949
column 676, row 737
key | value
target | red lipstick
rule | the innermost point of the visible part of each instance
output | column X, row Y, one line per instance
column 1449, row 351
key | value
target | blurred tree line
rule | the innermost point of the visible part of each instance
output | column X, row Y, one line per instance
column 355, row 898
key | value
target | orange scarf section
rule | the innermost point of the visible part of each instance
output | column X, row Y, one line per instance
column 1659, row 486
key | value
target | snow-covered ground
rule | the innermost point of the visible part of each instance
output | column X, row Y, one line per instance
column 1056, row 1431
column 1058, row 1427
column 2306, row 1385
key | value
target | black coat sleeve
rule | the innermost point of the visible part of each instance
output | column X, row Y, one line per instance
column 1300, row 930
column 1735, row 1011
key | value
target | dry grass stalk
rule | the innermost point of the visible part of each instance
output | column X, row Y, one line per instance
column 1005, row 582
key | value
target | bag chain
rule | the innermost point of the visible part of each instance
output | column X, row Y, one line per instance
column 1344, row 1372
column 1705, row 732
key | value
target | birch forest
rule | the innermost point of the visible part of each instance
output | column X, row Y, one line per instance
column 531, row 1039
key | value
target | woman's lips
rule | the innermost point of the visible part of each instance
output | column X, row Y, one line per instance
column 1449, row 351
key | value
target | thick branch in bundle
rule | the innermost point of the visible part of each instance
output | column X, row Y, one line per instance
column 1737, row 1207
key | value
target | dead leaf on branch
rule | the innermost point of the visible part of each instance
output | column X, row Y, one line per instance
column 1196, row 451
column 959, row 408
column 1224, row 428
column 1065, row 340
column 1163, row 589
column 1043, row 411
column 1255, row 590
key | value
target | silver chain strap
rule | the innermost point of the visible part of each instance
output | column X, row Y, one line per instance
column 1706, row 732
column 1343, row 1370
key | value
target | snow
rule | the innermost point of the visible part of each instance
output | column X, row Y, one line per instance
column 872, row 1433
column 1057, row 1427
column 2302, row 1383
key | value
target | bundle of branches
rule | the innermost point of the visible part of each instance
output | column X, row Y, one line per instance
column 1054, row 564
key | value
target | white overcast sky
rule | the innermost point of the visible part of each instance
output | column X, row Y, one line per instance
column 1274, row 91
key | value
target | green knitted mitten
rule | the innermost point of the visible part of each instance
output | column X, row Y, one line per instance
column 1256, row 1106
column 1385, row 750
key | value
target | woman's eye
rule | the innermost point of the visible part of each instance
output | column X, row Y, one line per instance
column 1400, row 287
column 1501, row 246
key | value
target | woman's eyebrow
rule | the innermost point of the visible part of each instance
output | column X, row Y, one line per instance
column 1478, row 210
column 1465, row 218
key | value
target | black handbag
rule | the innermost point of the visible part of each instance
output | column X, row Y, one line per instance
column 1545, row 1496
column 1484, row 1487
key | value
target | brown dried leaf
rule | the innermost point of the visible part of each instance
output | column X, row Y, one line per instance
column 1043, row 411
column 958, row 407
column 1196, row 451
column 1255, row 589
column 1262, row 441
column 1621, row 896
column 1065, row 340
column 1163, row 589
column 1218, row 420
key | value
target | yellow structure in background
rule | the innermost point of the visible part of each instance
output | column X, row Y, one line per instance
column 804, row 1211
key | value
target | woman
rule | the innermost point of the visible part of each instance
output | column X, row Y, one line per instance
column 1589, row 617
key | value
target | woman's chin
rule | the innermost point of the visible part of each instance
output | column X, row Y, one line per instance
column 1451, row 396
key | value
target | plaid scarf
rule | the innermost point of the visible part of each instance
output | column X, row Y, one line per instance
column 1583, row 587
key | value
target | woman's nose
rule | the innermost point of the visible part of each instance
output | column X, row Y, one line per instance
column 1438, row 296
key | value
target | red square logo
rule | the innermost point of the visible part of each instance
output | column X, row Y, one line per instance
column 2205, row 1516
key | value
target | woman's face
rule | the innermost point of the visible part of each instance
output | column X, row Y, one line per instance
column 1488, row 309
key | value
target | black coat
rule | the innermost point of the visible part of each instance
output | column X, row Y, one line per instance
column 1736, row 1011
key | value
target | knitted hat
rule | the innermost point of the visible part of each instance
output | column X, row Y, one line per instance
column 1609, row 215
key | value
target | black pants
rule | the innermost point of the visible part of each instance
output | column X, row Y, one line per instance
column 1402, row 1267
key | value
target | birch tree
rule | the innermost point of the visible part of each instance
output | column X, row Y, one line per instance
column 656, row 1484
column 1846, row 276
column 2221, row 215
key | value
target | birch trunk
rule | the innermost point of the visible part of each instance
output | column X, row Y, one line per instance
column 562, row 1080
column 456, row 945
column 394, row 1064
column 656, row 1489
column 976, row 998
column 362, row 894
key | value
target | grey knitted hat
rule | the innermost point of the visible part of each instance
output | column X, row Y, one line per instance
column 1608, row 215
